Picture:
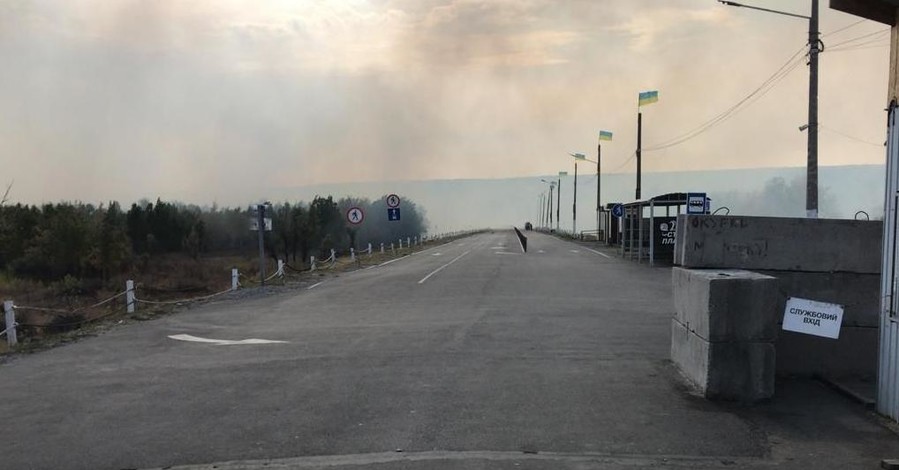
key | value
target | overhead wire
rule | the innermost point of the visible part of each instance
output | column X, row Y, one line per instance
column 844, row 28
column 848, row 136
column 766, row 86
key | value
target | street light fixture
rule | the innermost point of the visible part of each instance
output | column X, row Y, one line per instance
column 549, row 207
column 577, row 156
column 815, row 46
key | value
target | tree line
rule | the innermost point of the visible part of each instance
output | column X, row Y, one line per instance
column 51, row 241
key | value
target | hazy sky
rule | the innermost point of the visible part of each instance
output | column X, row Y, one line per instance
column 217, row 100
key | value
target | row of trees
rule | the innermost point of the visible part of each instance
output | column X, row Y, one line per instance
column 51, row 241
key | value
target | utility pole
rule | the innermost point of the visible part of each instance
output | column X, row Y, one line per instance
column 639, row 148
column 574, row 204
column 814, row 41
column 811, row 194
column 598, row 206
column 558, row 204
column 549, row 207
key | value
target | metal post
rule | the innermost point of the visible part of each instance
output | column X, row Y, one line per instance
column 558, row 204
column 652, row 237
column 574, row 204
column 9, row 313
column 129, row 296
column 639, row 148
column 260, row 221
column 811, row 195
column 235, row 275
column 598, row 207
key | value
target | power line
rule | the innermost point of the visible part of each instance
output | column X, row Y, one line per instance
column 784, row 70
column 851, row 137
column 863, row 36
column 844, row 28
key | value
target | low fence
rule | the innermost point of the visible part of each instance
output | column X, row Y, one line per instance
column 132, row 297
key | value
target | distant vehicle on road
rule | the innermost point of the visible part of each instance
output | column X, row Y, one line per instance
column 528, row 226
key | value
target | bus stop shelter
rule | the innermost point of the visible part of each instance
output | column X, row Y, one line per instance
column 648, row 227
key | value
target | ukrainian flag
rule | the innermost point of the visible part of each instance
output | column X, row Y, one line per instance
column 605, row 135
column 648, row 97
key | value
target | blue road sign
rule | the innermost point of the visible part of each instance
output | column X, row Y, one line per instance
column 697, row 203
column 618, row 210
column 393, row 214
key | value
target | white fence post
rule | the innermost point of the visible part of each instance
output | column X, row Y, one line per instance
column 408, row 242
column 392, row 249
column 312, row 263
column 235, row 275
column 352, row 255
column 382, row 248
column 401, row 243
column 369, row 249
column 129, row 296
column 280, row 268
column 11, row 338
column 333, row 256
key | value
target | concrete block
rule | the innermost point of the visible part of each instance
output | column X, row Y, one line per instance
column 776, row 243
column 854, row 354
column 739, row 371
column 859, row 294
column 726, row 305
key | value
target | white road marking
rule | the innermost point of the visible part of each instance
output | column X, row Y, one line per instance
column 540, row 251
column 598, row 253
column 457, row 258
column 391, row 261
column 497, row 248
column 224, row 342
column 437, row 254
column 574, row 251
column 505, row 253
column 313, row 286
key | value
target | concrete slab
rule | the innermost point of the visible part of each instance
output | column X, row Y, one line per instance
column 738, row 371
column 859, row 294
column 787, row 244
column 726, row 305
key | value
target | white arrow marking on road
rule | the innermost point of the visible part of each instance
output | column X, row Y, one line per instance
column 223, row 342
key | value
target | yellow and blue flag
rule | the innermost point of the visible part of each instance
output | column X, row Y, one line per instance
column 605, row 135
column 647, row 97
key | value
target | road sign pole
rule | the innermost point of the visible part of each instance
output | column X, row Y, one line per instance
column 260, row 218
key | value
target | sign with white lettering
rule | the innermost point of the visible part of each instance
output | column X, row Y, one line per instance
column 696, row 203
column 813, row 318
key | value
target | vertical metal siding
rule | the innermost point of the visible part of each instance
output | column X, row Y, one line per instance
column 888, row 368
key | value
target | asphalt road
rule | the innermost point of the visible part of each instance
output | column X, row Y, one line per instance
column 468, row 355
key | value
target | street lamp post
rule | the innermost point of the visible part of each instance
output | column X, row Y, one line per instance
column 549, row 208
column 577, row 156
column 811, row 180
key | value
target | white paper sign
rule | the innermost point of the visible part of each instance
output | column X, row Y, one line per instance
column 813, row 318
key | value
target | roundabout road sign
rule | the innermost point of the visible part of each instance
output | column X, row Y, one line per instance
column 355, row 215
column 393, row 201
column 618, row 210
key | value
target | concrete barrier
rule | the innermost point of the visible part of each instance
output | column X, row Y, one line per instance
column 523, row 239
column 777, row 243
column 723, row 332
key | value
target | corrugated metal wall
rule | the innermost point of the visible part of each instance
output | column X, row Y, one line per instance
column 888, row 374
